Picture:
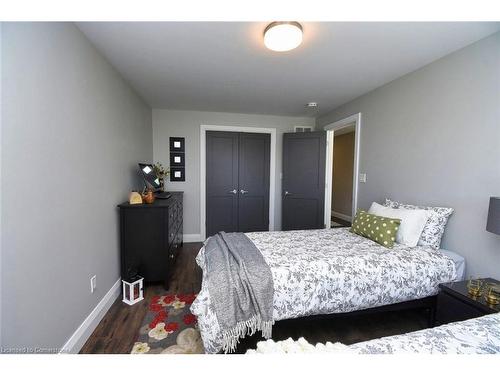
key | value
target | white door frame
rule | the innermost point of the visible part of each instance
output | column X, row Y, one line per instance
column 203, row 165
column 330, row 130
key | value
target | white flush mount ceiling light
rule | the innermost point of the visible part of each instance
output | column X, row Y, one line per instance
column 283, row 36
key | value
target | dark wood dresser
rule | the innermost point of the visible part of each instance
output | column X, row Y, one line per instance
column 151, row 238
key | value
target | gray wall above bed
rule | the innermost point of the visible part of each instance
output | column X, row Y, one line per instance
column 432, row 137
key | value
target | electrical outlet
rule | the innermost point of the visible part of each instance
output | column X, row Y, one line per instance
column 362, row 178
column 93, row 284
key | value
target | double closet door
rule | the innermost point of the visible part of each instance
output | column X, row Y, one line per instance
column 237, row 182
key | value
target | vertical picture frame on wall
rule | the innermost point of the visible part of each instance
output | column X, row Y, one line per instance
column 177, row 159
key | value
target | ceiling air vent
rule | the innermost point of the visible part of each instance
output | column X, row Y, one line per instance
column 303, row 129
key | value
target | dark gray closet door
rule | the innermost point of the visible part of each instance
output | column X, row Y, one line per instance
column 303, row 195
column 222, row 182
column 253, row 211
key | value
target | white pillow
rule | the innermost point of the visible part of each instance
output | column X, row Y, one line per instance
column 412, row 222
column 434, row 229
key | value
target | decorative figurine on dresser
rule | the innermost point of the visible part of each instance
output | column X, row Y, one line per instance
column 151, row 236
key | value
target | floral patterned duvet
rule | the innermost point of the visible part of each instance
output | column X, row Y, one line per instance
column 332, row 271
column 474, row 336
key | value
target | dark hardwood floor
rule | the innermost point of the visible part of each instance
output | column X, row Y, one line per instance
column 117, row 330
column 344, row 223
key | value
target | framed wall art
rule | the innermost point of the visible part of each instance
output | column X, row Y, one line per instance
column 177, row 174
column 177, row 144
column 177, row 159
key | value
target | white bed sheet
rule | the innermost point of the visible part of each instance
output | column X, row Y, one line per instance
column 459, row 263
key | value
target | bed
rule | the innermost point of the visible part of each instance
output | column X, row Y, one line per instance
column 330, row 271
column 474, row 336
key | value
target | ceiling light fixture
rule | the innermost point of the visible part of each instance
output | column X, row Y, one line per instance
column 283, row 36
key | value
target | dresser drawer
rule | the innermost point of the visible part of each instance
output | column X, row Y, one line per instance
column 171, row 236
column 178, row 237
column 179, row 208
column 171, row 217
column 451, row 309
column 177, row 224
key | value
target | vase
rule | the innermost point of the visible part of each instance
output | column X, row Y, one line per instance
column 148, row 197
column 163, row 184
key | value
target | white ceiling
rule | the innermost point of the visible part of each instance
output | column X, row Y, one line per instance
column 224, row 66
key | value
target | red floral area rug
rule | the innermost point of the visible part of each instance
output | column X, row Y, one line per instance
column 169, row 327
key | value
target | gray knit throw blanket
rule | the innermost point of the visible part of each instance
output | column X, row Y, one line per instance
column 241, row 287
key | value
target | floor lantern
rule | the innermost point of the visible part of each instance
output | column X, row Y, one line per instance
column 133, row 290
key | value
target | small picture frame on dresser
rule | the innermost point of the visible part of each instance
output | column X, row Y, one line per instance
column 177, row 144
column 177, row 159
column 177, row 174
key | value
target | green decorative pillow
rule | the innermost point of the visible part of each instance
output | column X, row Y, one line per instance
column 377, row 228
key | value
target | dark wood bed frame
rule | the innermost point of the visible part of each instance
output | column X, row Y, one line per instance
column 427, row 303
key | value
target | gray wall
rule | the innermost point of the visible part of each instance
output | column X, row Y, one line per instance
column 73, row 131
column 1, row 128
column 170, row 123
column 433, row 137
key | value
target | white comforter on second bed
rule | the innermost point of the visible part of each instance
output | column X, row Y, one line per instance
column 333, row 271
column 473, row 336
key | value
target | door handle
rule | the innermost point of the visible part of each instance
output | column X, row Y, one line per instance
column 234, row 191
column 243, row 191
column 287, row 193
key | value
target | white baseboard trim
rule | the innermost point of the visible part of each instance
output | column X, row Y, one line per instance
column 80, row 336
column 341, row 216
column 192, row 237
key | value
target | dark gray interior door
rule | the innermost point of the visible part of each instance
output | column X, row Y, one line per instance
column 253, row 211
column 222, row 182
column 303, row 186
column 237, row 182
